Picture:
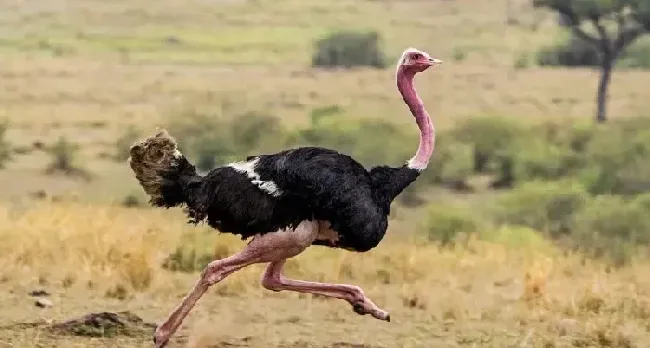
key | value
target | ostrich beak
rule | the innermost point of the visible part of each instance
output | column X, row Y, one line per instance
column 435, row 61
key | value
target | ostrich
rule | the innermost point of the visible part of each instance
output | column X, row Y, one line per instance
column 285, row 202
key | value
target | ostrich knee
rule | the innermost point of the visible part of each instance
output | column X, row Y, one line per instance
column 271, row 283
column 272, row 277
column 213, row 273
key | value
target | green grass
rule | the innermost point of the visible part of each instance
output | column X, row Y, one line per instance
column 260, row 32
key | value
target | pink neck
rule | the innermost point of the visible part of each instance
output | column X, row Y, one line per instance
column 427, row 134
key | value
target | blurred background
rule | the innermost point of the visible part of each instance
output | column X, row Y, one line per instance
column 541, row 173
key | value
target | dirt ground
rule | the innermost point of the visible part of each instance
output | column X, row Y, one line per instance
column 266, row 321
column 255, row 320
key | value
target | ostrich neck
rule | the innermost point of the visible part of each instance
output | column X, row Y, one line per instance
column 406, row 88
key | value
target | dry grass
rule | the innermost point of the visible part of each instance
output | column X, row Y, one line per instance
column 94, row 258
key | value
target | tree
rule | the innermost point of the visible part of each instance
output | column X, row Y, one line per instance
column 615, row 25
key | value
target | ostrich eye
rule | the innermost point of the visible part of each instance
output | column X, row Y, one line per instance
column 417, row 56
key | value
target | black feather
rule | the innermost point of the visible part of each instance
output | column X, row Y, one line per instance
column 314, row 184
column 389, row 182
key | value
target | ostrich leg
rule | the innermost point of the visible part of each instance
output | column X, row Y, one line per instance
column 268, row 247
column 273, row 279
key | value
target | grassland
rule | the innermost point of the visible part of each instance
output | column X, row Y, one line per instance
column 87, row 70
column 479, row 295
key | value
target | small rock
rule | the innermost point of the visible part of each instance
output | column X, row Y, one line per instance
column 566, row 326
column 38, row 144
column 43, row 303
column 39, row 293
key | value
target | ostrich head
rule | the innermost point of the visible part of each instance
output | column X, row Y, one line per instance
column 416, row 61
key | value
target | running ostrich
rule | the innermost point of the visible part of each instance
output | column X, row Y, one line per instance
column 286, row 202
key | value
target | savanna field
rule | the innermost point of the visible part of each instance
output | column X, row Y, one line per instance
column 529, row 228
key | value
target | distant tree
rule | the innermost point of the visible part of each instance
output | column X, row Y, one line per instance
column 616, row 24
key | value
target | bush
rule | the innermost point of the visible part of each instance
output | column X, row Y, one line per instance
column 544, row 206
column 214, row 140
column 349, row 49
column 329, row 129
column 195, row 250
column 444, row 222
column 494, row 144
column 64, row 160
column 5, row 148
column 611, row 225
column 570, row 52
column 575, row 52
column 545, row 156
column 450, row 164
column 490, row 137
column 616, row 158
column 637, row 55
column 550, row 151
column 606, row 158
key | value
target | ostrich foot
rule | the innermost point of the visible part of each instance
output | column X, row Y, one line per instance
column 161, row 337
column 273, row 279
column 360, row 308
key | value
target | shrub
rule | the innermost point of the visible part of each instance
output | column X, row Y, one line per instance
column 63, row 153
column 490, row 137
column 445, row 222
column 544, row 206
column 569, row 52
column 538, row 158
column 611, row 225
column 579, row 135
column 616, row 158
column 214, row 140
column 64, row 159
column 615, row 217
column 550, row 151
column 349, row 49
column 573, row 51
column 5, row 148
column 637, row 55
column 451, row 163
column 186, row 260
column 195, row 250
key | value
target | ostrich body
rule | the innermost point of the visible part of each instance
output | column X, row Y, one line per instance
column 286, row 202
